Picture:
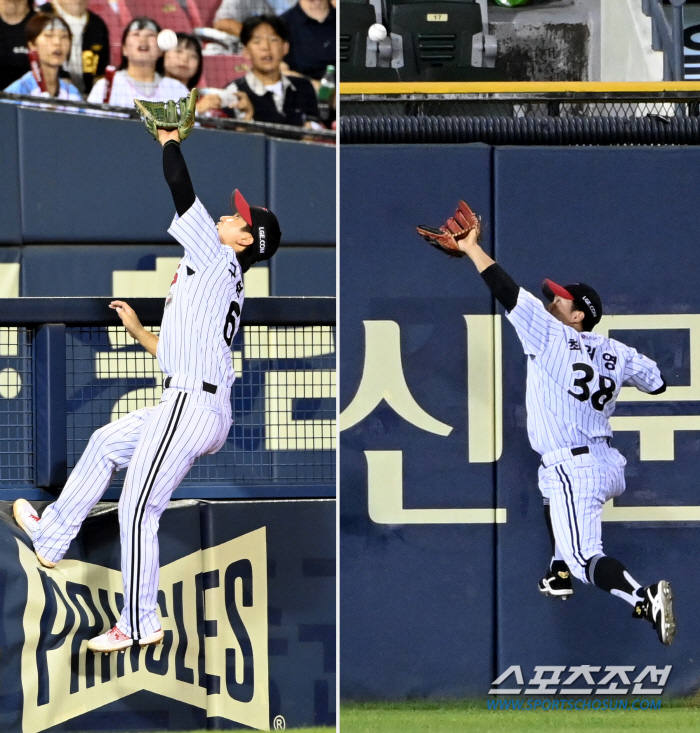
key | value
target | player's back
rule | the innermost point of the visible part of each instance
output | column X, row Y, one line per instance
column 574, row 378
column 203, row 308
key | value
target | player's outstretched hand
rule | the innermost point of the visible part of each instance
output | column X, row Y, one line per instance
column 470, row 240
column 129, row 318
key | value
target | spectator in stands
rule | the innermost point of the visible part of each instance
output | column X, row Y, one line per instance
column 116, row 16
column 184, row 63
column 14, row 16
column 140, row 74
column 311, row 26
column 89, row 53
column 231, row 14
column 265, row 93
column 50, row 36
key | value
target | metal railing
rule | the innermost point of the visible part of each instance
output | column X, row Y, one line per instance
column 667, row 36
column 218, row 123
column 67, row 367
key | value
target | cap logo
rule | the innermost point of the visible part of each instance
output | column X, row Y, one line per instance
column 261, row 239
column 590, row 305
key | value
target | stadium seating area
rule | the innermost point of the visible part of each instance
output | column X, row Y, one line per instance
column 427, row 40
column 184, row 16
column 223, row 60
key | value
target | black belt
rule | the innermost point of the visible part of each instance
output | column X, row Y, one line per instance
column 580, row 450
column 211, row 388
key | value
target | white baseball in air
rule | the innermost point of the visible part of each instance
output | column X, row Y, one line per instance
column 376, row 32
column 167, row 40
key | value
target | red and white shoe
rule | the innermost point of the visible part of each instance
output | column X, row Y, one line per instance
column 27, row 519
column 115, row 641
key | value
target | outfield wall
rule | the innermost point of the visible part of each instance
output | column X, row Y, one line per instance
column 443, row 538
column 83, row 197
column 247, row 603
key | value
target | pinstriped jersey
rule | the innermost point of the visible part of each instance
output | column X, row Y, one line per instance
column 203, row 307
column 573, row 378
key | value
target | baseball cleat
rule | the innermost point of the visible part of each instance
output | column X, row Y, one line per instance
column 557, row 583
column 27, row 519
column 656, row 607
column 116, row 641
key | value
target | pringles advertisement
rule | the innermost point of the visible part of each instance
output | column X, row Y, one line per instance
column 246, row 601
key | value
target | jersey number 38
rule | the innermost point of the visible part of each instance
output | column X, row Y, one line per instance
column 599, row 398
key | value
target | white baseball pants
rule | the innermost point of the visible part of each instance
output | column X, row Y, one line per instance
column 577, row 487
column 159, row 445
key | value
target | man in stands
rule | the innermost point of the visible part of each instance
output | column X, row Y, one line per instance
column 311, row 26
column 14, row 61
column 89, row 53
column 231, row 14
column 265, row 93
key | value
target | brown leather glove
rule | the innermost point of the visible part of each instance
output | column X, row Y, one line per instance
column 455, row 228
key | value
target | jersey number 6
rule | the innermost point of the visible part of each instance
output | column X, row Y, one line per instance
column 604, row 393
column 234, row 313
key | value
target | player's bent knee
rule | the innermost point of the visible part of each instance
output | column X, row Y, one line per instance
column 101, row 442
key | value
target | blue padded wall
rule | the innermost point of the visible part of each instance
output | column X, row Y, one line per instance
column 11, row 220
column 418, row 600
column 76, row 189
column 83, row 270
column 441, row 609
column 301, row 179
column 303, row 271
column 640, row 255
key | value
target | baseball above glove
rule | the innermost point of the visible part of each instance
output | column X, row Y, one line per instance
column 455, row 228
column 165, row 115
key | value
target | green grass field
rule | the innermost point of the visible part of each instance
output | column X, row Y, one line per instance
column 468, row 716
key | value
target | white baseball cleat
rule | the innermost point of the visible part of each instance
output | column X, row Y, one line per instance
column 27, row 519
column 115, row 641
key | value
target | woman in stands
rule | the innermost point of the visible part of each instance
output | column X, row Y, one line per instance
column 50, row 37
column 141, row 74
column 184, row 63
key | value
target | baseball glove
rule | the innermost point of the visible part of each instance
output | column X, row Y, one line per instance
column 165, row 115
column 455, row 228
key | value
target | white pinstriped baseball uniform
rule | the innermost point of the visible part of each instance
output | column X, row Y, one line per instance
column 160, row 444
column 573, row 380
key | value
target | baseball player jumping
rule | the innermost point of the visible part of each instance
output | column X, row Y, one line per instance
column 160, row 444
column 574, row 377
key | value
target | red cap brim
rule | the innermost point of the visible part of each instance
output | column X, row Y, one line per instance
column 242, row 207
column 558, row 290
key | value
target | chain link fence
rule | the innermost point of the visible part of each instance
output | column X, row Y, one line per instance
column 532, row 106
column 283, row 401
column 558, row 118
column 16, row 408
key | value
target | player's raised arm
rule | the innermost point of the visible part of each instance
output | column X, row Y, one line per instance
column 175, row 171
column 457, row 237
column 192, row 226
column 501, row 284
